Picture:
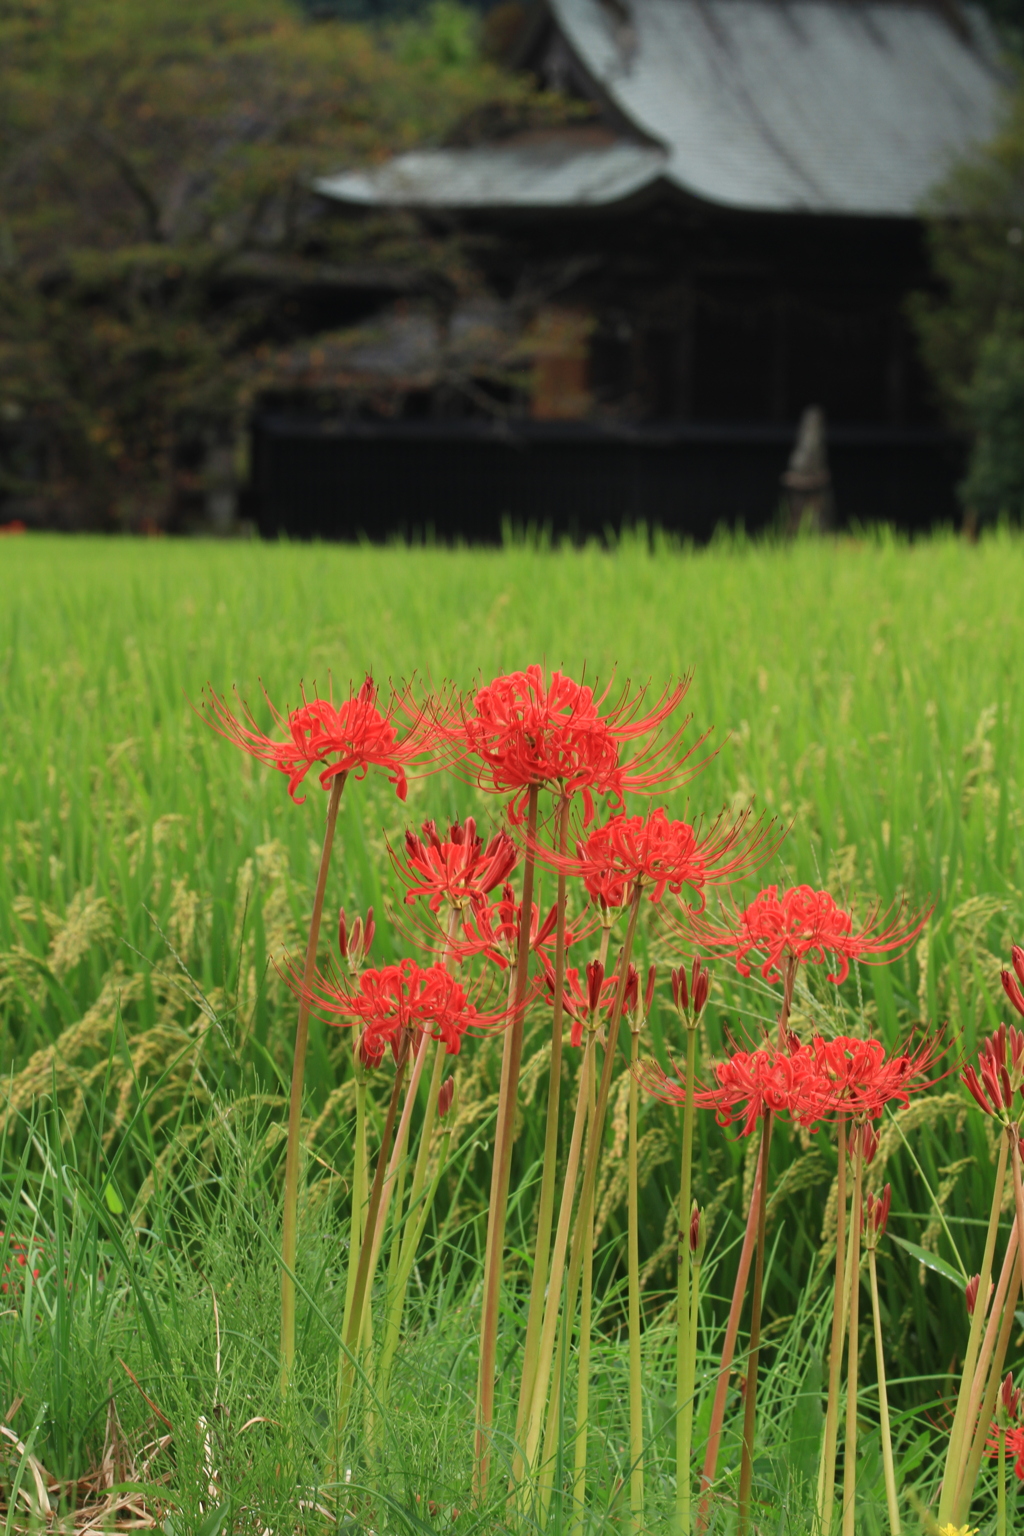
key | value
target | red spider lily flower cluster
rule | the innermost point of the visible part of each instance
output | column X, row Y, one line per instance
column 459, row 869
column 876, row 1215
column 801, row 924
column 749, row 1085
column 857, row 1078
column 394, row 1000
column 999, row 1074
column 348, row 738
column 532, row 730
column 583, row 1002
column 656, row 854
column 809, row 1082
column 1013, row 981
column 493, row 931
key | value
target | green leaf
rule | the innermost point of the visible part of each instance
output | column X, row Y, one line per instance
column 113, row 1200
column 214, row 1520
column 931, row 1261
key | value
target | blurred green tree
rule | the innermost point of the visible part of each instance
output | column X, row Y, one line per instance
column 971, row 328
column 146, row 151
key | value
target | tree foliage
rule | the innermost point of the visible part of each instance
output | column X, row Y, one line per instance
column 972, row 327
column 146, row 152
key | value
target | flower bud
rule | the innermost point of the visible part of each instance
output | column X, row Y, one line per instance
column 698, row 1233
column 870, row 1144
column 701, row 988
column 595, row 981
column 369, row 929
column 649, row 990
column 445, row 1094
column 342, row 934
column 971, row 1294
column 1012, row 986
column 1017, row 958
column 632, row 992
column 680, row 995
column 355, row 942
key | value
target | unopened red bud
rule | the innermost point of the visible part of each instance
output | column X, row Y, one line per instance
column 649, row 991
column 369, row 929
column 702, row 987
column 632, row 989
column 355, row 941
column 445, row 1094
column 694, row 1227
column 342, row 934
column 1007, row 1394
column 680, row 995
column 595, row 981
column 1017, row 959
column 971, row 1294
column 870, row 1140
column 1012, row 988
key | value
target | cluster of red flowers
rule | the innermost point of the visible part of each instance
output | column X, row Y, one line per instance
column 808, row 1082
column 802, row 924
column 392, row 1002
column 458, row 869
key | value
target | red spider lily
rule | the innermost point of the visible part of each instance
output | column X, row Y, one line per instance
column 458, row 869
column 582, row 1002
column 529, row 729
column 869, row 1144
column 877, row 1214
column 803, row 924
column 857, row 1078
column 445, row 1095
column 493, row 931
column 349, row 738
column 1014, row 1440
column 393, row 999
column 749, row 1085
column 1012, row 984
column 999, row 1075
column 1006, row 1426
column 659, row 854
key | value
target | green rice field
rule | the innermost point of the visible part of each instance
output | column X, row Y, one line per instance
column 866, row 692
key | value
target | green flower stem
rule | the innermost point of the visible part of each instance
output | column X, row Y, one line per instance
column 501, row 1169
column 732, row 1328
column 290, row 1209
column 955, row 1451
column 985, row 1355
column 753, row 1357
column 883, row 1402
column 356, row 1322
column 636, row 1405
column 546, row 1206
column 579, row 1486
column 420, row 1206
column 827, row 1469
column 592, row 1161
column 685, row 1343
column 988, row 1406
column 526, row 1456
column 738, row 1293
column 850, row 1454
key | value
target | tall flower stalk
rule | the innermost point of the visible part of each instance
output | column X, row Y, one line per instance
column 850, row 1456
column 341, row 740
column 636, row 1011
column 689, row 1002
column 877, row 1216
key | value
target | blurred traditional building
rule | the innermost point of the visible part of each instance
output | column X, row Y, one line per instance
column 726, row 237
